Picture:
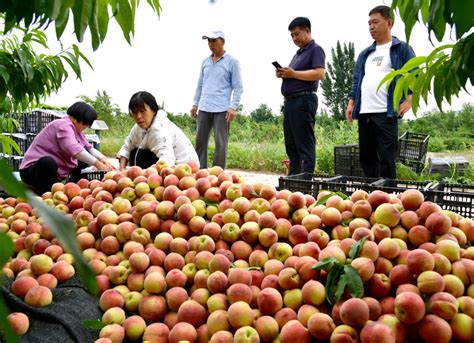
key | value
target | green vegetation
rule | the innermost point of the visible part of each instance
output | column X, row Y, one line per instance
column 448, row 68
column 259, row 144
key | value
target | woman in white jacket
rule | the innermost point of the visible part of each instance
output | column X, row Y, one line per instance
column 154, row 137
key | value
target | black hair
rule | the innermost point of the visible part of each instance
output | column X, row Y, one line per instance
column 82, row 112
column 383, row 10
column 138, row 101
column 301, row 22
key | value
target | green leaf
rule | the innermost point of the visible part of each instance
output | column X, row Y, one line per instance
column 324, row 199
column 326, row 264
column 82, row 11
column 102, row 18
column 414, row 62
column 356, row 247
column 9, row 182
column 93, row 324
column 64, row 229
column 332, row 281
column 125, row 18
column 462, row 16
column 341, row 286
column 7, row 248
column 354, row 282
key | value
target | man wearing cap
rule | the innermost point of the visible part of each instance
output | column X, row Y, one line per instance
column 216, row 99
column 299, row 85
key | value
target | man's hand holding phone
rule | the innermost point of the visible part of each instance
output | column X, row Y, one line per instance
column 276, row 65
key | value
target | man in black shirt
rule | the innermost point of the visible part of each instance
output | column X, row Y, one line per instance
column 299, row 85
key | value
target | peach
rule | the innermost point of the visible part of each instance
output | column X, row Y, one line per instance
column 409, row 307
column 449, row 248
column 269, row 301
column 443, row 305
column 182, row 332
column 387, row 214
column 113, row 332
column 152, row 308
column 377, row 198
column 192, row 312
column 438, row 223
column 434, row 329
column 294, row 330
column 377, row 332
column 19, row 323
column 39, row 296
column 388, row 248
column 344, row 333
column 354, row 312
column 267, row 328
column 240, row 314
column 419, row 260
column 430, row 282
column 453, row 285
column 462, row 327
column 331, row 217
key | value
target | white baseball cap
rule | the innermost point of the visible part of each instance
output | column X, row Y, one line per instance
column 214, row 35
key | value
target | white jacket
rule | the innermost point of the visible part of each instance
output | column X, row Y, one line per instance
column 163, row 138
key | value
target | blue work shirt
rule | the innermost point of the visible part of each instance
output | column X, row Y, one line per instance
column 400, row 53
column 310, row 56
column 220, row 85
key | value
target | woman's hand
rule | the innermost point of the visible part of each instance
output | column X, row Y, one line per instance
column 109, row 165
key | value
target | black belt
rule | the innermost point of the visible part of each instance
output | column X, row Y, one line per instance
column 298, row 94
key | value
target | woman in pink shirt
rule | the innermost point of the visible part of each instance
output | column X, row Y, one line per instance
column 61, row 149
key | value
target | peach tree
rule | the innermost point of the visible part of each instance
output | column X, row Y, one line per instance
column 448, row 68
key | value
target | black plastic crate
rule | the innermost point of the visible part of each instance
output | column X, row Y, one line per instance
column 454, row 197
column 314, row 183
column 346, row 160
column 413, row 146
column 13, row 161
column 30, row 137
column 399, row 186
column 33, row 123
column 91, row 175
column 18, row 138
column 448, row 165
column 21, row 119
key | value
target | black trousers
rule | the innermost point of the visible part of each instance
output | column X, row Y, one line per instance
column 299, row 117
column 378, row 145
column 142, row 158
column 44, row 173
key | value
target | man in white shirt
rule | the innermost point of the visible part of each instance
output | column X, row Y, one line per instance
column 377, row 117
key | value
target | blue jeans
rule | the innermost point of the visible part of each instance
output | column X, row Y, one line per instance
column 299, row 117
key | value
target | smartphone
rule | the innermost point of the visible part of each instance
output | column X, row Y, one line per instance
column 276, row 65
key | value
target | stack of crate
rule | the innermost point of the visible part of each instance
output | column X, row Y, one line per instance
column 412, row 151
column 30, row 124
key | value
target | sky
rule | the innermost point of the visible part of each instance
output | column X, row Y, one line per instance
column 167, row 52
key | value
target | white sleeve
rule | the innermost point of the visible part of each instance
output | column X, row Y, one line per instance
column 161, row 142
column 96, row 153
column 128, row 145
column 85, row 157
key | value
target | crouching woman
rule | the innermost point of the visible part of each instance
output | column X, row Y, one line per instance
column 154, row 137
column 61, row 150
